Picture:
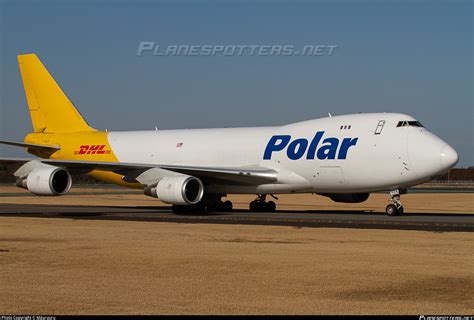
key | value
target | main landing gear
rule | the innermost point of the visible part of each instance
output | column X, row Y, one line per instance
column 396, row 207
column 260, row 205
column 220, row 206
column 208, row 204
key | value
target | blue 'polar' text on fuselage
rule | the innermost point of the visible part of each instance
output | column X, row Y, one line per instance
column 297, row 148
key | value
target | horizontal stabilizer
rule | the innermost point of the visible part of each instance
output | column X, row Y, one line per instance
column 39, row 147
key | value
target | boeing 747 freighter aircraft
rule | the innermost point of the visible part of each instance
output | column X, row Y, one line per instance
column 344, row 158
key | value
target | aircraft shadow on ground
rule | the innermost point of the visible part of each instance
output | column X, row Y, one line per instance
column 235, row 211
column 309, row 212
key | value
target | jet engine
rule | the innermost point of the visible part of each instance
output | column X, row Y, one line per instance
column 47, row 181
column 347, row 197
column 180, row 190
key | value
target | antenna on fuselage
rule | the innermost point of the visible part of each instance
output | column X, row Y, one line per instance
column 330, row 115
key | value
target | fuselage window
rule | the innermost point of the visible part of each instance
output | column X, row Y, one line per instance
column 402, row 124
column 415, row 124
column 409, row 124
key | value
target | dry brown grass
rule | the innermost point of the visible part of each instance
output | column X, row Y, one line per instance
column 68, row 266
column 79, row 266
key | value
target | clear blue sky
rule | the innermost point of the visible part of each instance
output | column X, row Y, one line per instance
column 413, row 57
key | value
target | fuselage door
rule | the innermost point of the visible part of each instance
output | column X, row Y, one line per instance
column 379, row 128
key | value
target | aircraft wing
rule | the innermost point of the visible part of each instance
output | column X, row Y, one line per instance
column 220, row 175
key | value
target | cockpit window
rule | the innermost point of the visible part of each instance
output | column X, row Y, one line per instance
column 409, row 124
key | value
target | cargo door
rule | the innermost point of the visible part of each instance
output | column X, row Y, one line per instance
column 330, row 176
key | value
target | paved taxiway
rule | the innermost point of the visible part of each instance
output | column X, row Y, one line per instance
column 297, row 218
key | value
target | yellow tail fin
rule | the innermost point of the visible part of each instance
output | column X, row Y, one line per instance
column 50, row 109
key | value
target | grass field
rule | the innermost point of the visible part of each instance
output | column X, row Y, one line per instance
column 65, row 266
column 68, row 266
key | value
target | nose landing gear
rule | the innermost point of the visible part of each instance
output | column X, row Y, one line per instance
column 395, row 208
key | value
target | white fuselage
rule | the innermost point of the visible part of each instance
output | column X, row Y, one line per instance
column 364, row 153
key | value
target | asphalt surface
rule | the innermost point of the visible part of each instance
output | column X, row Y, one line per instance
column 295, row 218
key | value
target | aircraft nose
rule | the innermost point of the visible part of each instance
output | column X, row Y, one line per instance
column 429, row 155
column 449, row 157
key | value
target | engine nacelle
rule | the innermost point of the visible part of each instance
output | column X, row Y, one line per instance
column 47, row 181
column 180, row 190
column 347, row 197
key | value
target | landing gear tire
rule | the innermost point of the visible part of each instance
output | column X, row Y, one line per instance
column 392, row 210
column 227, row 206
column 271, row 206
column 254, row 206
column 220, row 206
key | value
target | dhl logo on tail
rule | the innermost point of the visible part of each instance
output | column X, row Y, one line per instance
column 92, row 149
